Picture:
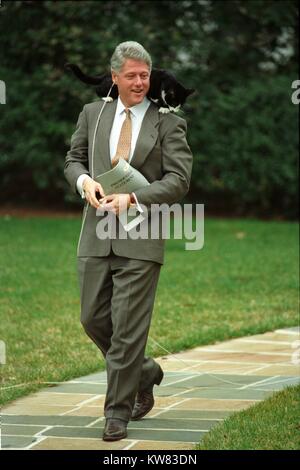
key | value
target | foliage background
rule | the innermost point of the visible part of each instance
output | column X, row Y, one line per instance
column 241, row 56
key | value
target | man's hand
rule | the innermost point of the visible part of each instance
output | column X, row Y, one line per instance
column 92, row 190
column 116, row 203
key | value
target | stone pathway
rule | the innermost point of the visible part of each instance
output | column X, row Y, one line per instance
column 201, row 387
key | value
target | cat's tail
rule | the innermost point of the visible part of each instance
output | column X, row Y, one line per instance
column 96, row 80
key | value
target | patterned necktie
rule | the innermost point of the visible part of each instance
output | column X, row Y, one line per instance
column 124, row 143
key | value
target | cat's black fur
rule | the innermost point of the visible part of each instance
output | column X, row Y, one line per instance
column 165, row 90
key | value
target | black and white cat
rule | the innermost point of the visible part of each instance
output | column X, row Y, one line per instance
column 165, row 91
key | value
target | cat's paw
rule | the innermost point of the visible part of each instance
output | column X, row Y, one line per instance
column 176, row 109
column 107, row 99
column 164, row 110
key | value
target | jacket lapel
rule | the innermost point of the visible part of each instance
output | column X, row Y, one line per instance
column 102, row 161
column 147, row 137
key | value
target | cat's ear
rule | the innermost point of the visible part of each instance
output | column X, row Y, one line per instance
column 189, row 91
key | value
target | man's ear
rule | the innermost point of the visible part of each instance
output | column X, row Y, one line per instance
column 114, row 78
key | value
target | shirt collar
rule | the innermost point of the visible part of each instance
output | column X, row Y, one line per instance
column 137, row 110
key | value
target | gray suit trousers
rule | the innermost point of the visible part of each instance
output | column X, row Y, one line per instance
column 117, row 297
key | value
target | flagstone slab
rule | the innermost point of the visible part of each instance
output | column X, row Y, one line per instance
column 279, row 336
column 164, row 402
column 206, row 380
column 280, row 383
column 47, row 420
column 167, row 391
column 169, row 423
column 16, row 442
column 94, row 400
column 80, row 388
column 20, row 430
column 93, row 411
column 166, row 435
column 96, row 377
column 222, row 393
column 217, row 415
column 212, row 404
column 75, row 431
column 253, row 347
column 60, row 443
column 163, row 445
column 46, row 398
column 286, row 370
column 173, row 365
column 239, row 357
column 216, row 367
column 53, row 410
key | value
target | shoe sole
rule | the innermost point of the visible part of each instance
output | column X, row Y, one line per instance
column 111, row 439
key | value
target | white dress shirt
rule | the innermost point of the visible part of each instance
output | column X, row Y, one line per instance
column 137, row 114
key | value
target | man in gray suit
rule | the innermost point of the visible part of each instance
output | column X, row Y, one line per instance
column 118, row 276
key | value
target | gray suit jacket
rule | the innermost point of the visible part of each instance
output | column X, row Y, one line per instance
column 161, row 154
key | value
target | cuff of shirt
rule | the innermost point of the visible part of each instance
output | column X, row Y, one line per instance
column 79, row 184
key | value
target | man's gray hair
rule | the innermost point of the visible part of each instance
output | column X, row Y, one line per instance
column 129, row 50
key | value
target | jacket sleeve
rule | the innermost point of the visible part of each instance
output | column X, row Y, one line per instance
column 176, row 167
column 76, row 162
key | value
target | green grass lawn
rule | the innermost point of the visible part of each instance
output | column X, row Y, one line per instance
column 244, row 281
column 273, row 424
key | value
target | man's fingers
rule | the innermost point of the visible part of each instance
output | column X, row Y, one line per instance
column 99, row 190
column 109, row 197
column 106, row 201
column 91, row 198
column 102, row 193
column 114, row 202
column 94, row 202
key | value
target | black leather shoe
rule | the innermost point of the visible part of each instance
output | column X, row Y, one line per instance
column 115, row 429
column 145, row 400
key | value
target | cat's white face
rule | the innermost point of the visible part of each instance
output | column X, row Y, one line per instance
column 133, row 82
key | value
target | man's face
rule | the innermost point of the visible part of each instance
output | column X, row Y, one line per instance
column 133, row 82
